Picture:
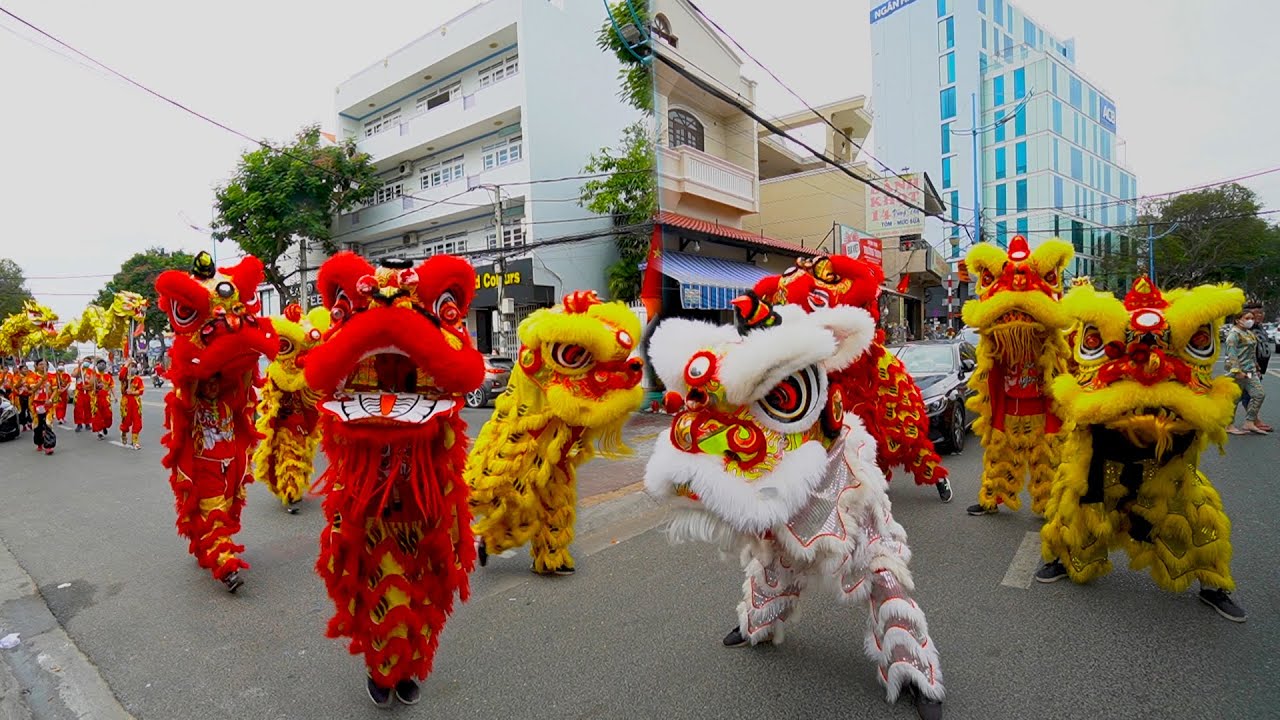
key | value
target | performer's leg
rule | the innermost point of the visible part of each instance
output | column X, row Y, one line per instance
column 550, row 543
column 1077, row 537
column 1043, row 461
column 505, row 517
column 1002, row 470
column 771, row 594
column 1189, row 533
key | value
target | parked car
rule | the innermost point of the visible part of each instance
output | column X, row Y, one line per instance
column 941, row 370
column 497, row 371
column 9, row 428
column 969, row 335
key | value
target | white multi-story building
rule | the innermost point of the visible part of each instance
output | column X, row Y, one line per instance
column 505, row 97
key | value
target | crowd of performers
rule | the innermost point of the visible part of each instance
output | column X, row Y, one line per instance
column 43, row 394
column 786, row 426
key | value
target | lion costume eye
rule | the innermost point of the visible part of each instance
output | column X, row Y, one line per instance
column 569, row 356
column 700, row 369
column 1092, row 346
column 1202, row 344
column 446, row 308
column 184, row 318
column 820, row 298
column 1051, row 277
column 793, row 404
column 987, row 277
column 286, row 345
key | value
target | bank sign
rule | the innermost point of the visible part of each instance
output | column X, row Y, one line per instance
column 854, row 243
column 884, row 10
column 1107, row 113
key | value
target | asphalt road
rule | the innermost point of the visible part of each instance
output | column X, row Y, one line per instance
column 636, row 633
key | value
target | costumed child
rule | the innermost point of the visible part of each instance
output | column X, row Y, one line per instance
column 26, row 380
column 218, row 340
column 764, row 460
column 62, row 382
column 575, row 386
column 83, row 411
column 43, row 394
column 1021, row 349
column 104, row 391
column 1143, row 405
column 131, row 391
column 392, row 373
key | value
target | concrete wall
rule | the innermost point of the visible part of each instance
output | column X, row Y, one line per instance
column 802, row 208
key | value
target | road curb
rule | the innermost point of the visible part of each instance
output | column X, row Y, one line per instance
column 46, row 674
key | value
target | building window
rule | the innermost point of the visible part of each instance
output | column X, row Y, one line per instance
column 439, row 96
column 1077, row 164
column 383, row 123
column 385, row 194
column 1057, row 116
column 1029, row 32
column 947, row 69
column 1020, row 123
column 1057, row 192
column 1002, row 199
column 1001, row 162
column 511, row 237
column 1020, row 191
column 946, row 172
column 502, row 153
column 662, row 28
column 686, row 130
column 946, row 138
column 442, row 173
column 948, row 100
column 997, row 91
column 982, row 6
column 1077, row 235
column 944, row 8
column 1077, row 93
column 947, row 34
column 1002, row 233
column 997, row 11
column 1020, row 158
column 1019, row 83
column 448, row 245
column 500, row 71
column 1000, row 126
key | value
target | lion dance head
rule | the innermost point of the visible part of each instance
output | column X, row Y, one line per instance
column 1018, row 296
column 298, row 333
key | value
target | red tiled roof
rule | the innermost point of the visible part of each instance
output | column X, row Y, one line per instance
column 684, row 221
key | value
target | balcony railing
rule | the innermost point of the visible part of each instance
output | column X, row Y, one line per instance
column 427, row 125
column 688, row 170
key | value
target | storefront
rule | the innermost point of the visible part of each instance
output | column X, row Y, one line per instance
column 493, row 327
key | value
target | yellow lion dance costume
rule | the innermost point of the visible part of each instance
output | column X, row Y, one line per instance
column 1021, row 350
column 1141, row 407
column 287, row 414
column 573, row 390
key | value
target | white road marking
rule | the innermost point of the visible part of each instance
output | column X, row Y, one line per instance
column 1025, row 562
column 159, row 405
column 1274, row 373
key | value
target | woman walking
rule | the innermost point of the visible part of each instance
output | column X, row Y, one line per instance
column 1241, row 355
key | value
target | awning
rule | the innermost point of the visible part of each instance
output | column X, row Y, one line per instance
column 708, row 283
column 676, row 220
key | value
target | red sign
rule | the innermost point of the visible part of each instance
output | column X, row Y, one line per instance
column 855, row 244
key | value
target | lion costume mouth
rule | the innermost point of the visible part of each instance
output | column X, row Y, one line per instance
column 387, row 387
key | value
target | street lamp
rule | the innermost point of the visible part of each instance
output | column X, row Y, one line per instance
column 1151, row 248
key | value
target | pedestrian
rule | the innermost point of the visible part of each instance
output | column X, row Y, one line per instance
column 83, row 413
column 22, row 389
column 41, row 393
column 103, row 393
column 62, row 384
column 1266, row 343
column 1241, row 355
column 131, row 407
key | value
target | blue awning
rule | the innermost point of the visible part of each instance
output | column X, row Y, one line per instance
column 709, row 283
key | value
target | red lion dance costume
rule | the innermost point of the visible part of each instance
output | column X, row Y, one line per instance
column 391, row 374
column 218, row 338
column 877, row 385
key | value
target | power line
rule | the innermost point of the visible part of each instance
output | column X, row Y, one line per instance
column 1154, row 196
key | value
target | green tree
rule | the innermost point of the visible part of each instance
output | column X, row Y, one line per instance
column 280, row 196
column 13, row 288
column 634, row 77
column 629, row 195
column 138, row 274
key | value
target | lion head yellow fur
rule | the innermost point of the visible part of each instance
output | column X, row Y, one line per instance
column 296, row 337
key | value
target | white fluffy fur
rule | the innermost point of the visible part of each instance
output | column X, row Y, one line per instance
column 676, row 340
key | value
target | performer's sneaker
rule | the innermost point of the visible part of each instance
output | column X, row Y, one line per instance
column 735, row 638
column 944, row 490
column 482, row 553
column 1051, row 572
column 379, row 695
column 1221, row 601
column 977, row 510
column 926, row 708
column 408, row 692
column 558, row 571
column 292, row 508
column 233, row 582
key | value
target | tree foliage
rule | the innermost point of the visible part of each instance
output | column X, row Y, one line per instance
column 1214, row 235
column 280, row 195
column 629, row 195
column 138, row 274
column 13, row 288
column 634, row 77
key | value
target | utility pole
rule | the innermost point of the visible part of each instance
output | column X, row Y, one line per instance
column 499, row 269
column 304, row 295
column 1151, row 248
column 974, row 132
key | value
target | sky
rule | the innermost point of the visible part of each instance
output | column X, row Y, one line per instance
column 95, row 170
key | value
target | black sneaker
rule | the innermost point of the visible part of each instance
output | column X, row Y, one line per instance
column 926, row 708
column 1051, row 572
column 977, row 510
column 1221, row 601
column 944, row 490
column 482, row 554
column 292, row 508
column 379, row 695
column 563, row 571
column 734, row 638
column 407, row 692
column 233, row 582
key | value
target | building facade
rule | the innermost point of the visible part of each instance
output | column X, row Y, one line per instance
column 480, row 130
column 1051, row 157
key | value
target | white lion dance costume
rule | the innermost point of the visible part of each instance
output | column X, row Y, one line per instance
column 762, row 459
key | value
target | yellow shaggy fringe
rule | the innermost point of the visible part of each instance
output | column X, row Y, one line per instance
column 522, row 468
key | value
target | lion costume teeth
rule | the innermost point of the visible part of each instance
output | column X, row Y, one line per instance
column 763, row 460
column 1142, row 405
column 1020, row 351
column 575, row 386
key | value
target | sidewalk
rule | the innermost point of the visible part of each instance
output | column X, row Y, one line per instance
column 604, row 479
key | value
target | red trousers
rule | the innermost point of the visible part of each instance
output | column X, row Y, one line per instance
column 132, row 420
column 102, row 416
column 84, row 409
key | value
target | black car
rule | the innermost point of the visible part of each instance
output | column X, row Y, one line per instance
column 497, row 371
column 941, row 370
column 9, row 428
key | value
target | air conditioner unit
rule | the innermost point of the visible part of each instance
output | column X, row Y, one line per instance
column 407, row 239
column 508, row 306
column 405, row 167
column 353, row 247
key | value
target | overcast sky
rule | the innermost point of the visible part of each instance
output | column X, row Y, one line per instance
column 94, row 170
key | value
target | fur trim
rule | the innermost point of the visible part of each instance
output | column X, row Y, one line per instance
column 1205, row 305
column 1102, row 309
column 676, row 340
